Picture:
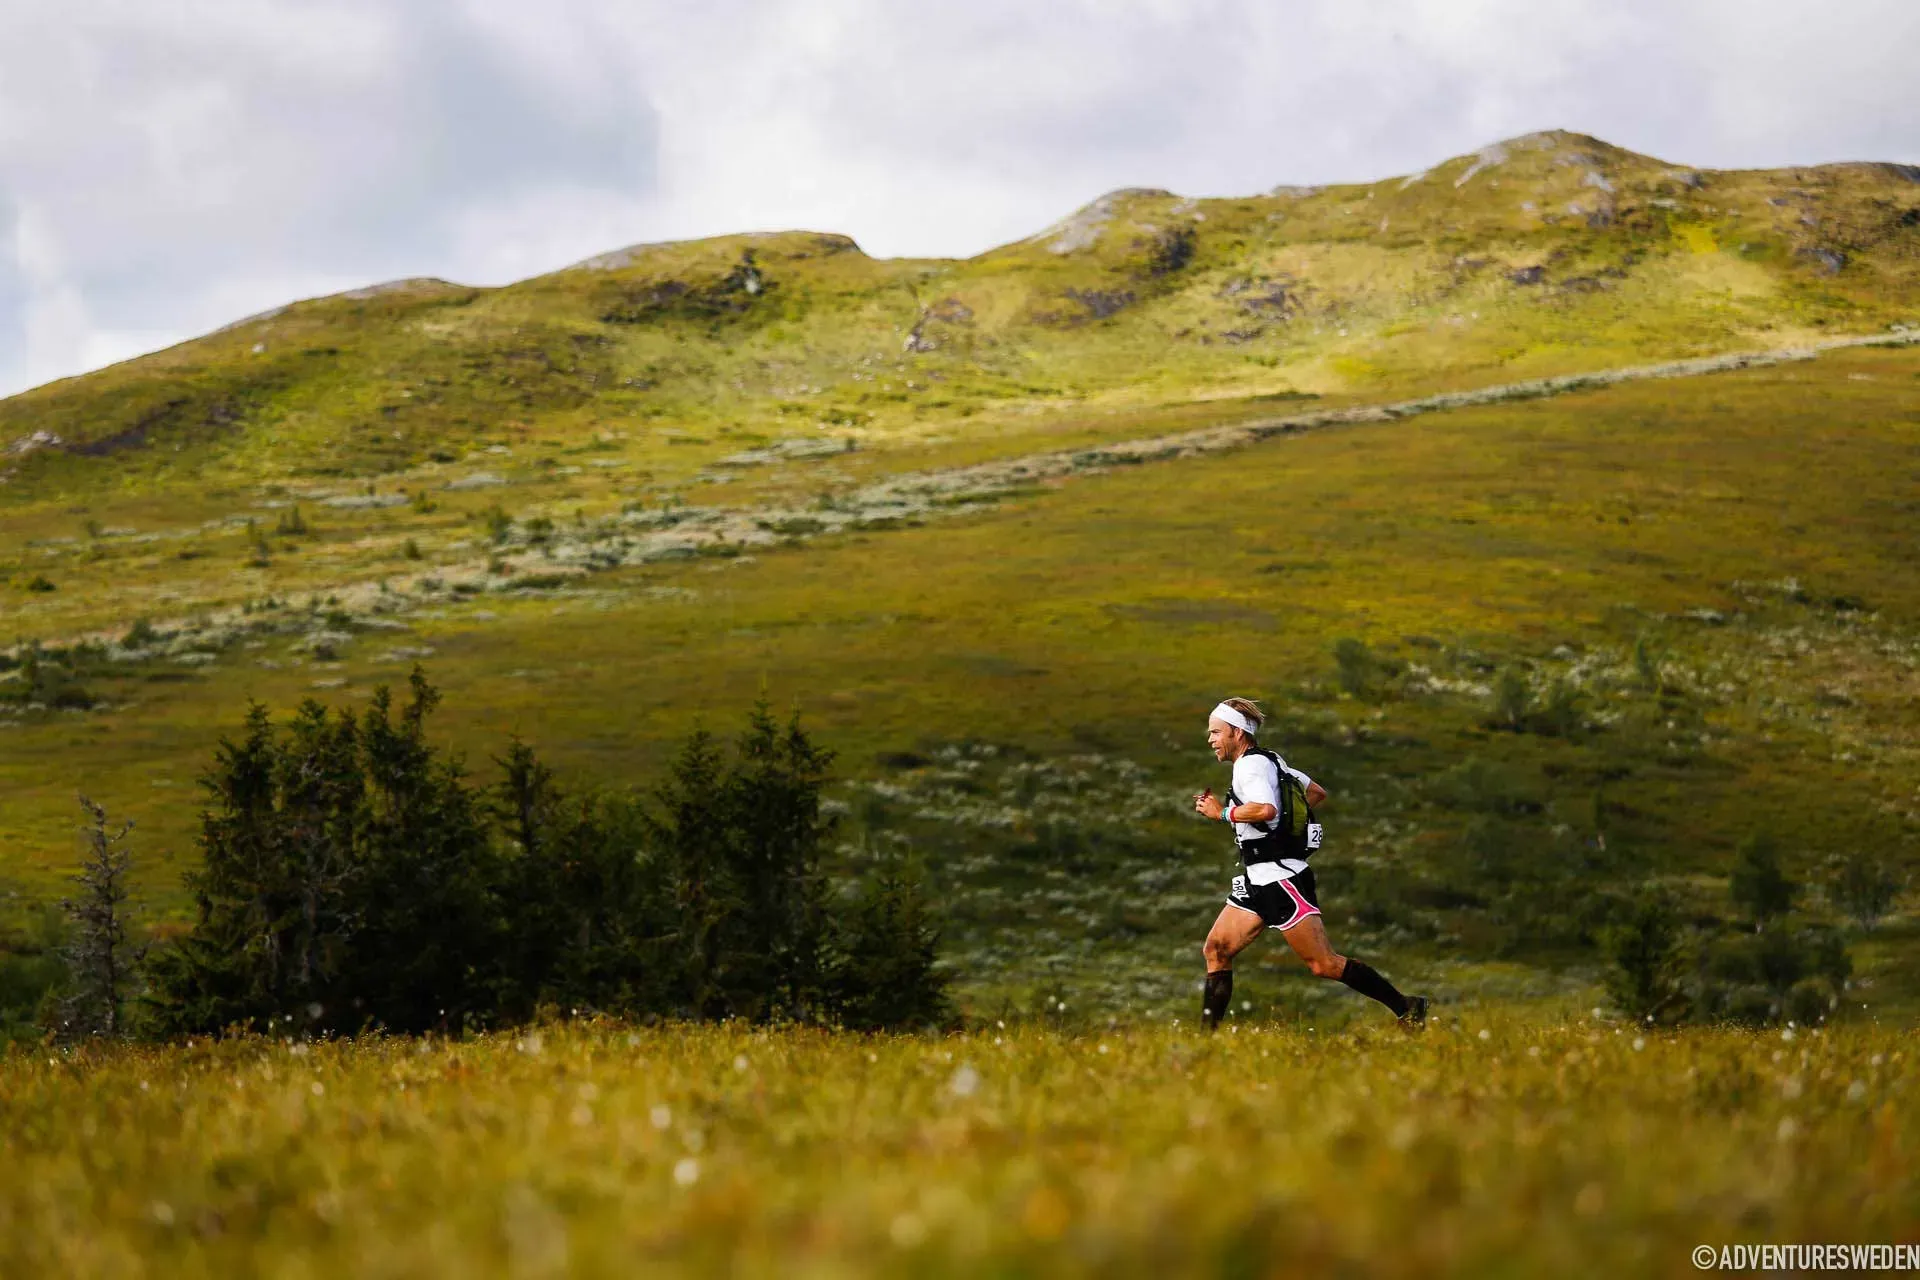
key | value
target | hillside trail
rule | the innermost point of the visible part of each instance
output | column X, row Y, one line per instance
column 983, row 478
column 571, row 555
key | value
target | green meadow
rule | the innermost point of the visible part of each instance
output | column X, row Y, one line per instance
column 1508, row 1146
column 1748, row 534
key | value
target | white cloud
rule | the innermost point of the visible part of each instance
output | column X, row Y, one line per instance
column 169, row 165
column 173, row 164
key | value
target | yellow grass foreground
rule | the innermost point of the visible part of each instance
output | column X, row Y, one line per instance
column 1484, row 1148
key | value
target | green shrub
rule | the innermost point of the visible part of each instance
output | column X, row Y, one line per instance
column 1863, row 885
column 1758, row 979
column 1643, row 950
column 539, row 581
column 1512, row 699
column 48, row 679
column 1478, row 785
column 1560, row 715
column 1809, row 1002
column 1356, row 665
column 32, row 972
column 1646, row 664
column 1757, row 885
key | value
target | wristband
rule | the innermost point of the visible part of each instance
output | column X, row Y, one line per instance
column 1226, row 814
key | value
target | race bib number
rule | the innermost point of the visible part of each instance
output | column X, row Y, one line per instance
column 1239, row 887
column 1313, row 835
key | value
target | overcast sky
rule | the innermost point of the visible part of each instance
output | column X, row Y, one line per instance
column 167, row 166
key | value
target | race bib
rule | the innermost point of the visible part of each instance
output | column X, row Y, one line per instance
column 1313, row 835
column 1239, row 887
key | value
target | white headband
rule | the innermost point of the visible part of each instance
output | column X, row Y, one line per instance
column 1234, row 718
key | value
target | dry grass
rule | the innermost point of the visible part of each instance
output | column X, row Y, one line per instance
column 1496, row 1146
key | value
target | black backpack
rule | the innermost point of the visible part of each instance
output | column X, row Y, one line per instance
column 1295, row 828
column 1294, row 833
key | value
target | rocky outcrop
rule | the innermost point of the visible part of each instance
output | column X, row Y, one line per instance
column 33, row 443
column 1081, row 229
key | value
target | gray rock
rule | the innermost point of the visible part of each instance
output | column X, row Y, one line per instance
column 1081, row 229
column 33, row 443
column 475, row 480
column 412, row 284
column 1487, row 158
column 1828, row 261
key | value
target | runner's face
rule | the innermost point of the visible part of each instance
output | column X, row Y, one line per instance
column 1224, row 739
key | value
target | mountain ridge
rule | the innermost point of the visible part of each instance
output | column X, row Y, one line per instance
column 1475, row 162
column 1548, row 253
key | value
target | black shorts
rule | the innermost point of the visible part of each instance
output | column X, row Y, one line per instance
column 1280, row 904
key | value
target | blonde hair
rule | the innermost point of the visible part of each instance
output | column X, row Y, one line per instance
column 1248, row 708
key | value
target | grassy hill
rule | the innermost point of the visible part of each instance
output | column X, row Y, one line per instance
column 609, row 503
column 646, row 375
column 1546, row 251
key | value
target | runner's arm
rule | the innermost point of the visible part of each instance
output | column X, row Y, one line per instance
column 1254, row 781
column 1207, row 805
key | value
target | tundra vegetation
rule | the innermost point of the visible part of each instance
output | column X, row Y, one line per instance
column 1612, row 678
column 1496, row 1145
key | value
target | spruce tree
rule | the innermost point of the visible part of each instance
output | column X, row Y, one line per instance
column 586, row 916
column 1758, row 885
column 422, row 896
column 345, row 880
column 101, row 959
column 1643, row 945
column 351, row 877
column 885, row 970
column 276, row 858
column 689, row 832
column 771, row 803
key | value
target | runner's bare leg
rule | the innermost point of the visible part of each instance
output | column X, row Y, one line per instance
column 1309, row 941
column 1233, row 929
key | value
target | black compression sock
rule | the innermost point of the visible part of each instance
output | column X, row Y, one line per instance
column 1365, row 979
column 1219, row 994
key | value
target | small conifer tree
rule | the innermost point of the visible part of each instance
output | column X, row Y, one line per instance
column 1757, row 885
column 1643, row 946
column 101, row 958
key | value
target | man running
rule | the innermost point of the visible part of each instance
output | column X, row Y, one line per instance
column 1275, row 840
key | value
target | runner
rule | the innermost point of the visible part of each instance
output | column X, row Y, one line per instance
column 1273, row 829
